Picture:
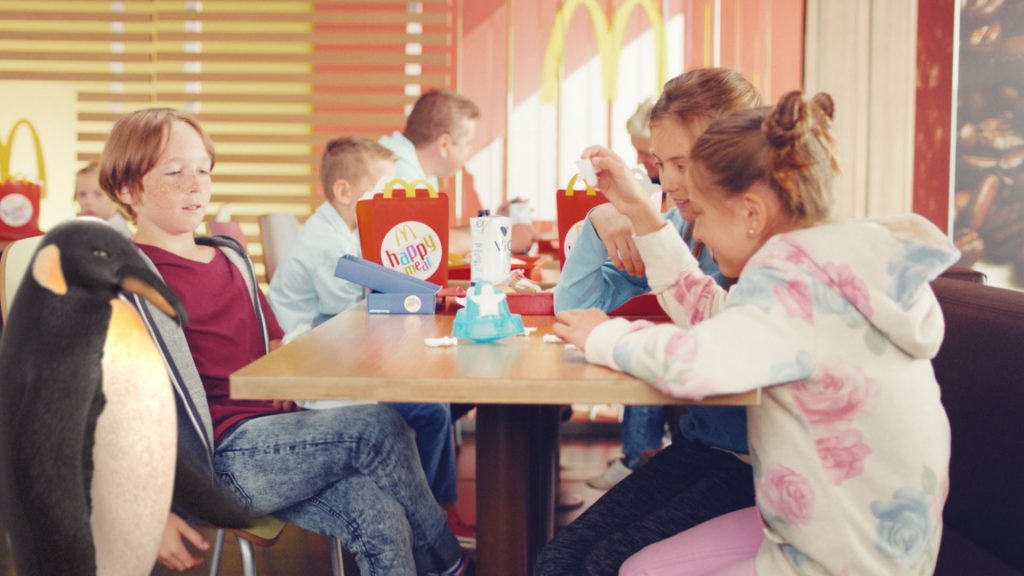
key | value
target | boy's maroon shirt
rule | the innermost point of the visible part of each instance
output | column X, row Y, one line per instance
column 223, row 332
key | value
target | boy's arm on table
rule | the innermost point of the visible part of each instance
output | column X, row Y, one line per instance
column 333, row 294
column 589, row 280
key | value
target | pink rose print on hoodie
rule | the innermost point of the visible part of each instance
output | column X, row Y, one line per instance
column 796, row 299
column 683, row 346
column 789, row 250
column 843, row 455
column 851, row 286
column 694, row 292
column 835, row 394
column 787, row 494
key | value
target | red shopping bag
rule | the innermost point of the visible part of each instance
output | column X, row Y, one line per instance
column 572, row 207
column 406, row 232
column 20, row 196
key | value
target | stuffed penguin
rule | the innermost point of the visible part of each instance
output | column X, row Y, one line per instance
column 87, row 416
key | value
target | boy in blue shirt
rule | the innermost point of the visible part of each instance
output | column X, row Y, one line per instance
column 304, row 293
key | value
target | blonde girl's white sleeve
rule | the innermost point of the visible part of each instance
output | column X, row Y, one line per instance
column 685, row 292
column 759, row 342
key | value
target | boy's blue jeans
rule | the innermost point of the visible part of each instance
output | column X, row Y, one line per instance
column 642, row 429
column 432, row 424
column 351, row 473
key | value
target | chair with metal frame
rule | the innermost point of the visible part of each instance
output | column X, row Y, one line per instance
column 265, row 533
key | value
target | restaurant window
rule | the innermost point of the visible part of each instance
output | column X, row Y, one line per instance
column 988, row 191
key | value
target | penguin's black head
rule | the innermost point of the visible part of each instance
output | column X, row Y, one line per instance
column 89, row 255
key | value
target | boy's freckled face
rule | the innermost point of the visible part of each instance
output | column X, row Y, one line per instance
column 176, row 191
column 91, row 200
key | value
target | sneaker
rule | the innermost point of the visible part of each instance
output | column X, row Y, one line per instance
column 615, row 473
column 463, row 567
column 464, row 533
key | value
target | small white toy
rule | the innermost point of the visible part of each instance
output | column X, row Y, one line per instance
column 441, row 342
column 586, row 169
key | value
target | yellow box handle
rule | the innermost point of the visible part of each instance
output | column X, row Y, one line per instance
column 409, row 187
column 570, row 188
column 8, row 147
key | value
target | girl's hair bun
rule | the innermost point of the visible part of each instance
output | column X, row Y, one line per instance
column 785, row 124
column 825, row 104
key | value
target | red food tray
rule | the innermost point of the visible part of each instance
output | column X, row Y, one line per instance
column 461, row 271
column 532, row 304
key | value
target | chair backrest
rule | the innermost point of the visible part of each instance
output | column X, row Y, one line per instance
column 229, row 228
column 278, row 231
column 13, row 265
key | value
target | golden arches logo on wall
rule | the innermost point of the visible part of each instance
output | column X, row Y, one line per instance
column 609, row 41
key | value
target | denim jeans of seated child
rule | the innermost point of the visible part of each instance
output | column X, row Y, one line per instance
column 352, row 473
column 643, row 428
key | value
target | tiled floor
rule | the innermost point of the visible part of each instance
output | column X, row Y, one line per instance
column 301, row 553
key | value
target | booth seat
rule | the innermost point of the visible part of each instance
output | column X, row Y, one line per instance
column 980, row 369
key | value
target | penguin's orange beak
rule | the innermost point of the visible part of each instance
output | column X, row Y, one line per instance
column 142, row 281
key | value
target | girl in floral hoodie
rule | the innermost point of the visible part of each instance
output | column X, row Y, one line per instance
column 835, row 321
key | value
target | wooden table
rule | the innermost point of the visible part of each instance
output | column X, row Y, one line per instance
column 518, row 383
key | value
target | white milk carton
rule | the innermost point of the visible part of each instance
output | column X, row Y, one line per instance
column 491, row 258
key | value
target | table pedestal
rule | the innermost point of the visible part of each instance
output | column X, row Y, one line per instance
column 517, row 483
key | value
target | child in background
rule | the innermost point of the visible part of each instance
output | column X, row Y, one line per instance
column 92, row 201
column 304, row 292
column 350, row 473
column 699, row 476
column 639, row 127
column 834, row 320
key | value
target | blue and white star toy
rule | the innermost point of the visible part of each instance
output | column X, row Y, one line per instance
column 486, row 316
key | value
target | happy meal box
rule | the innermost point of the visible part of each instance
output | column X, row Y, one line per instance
column 406, row 232
column 573, row 206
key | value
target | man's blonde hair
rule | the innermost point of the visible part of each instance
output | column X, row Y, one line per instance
column 639, row 124
column 348, row 158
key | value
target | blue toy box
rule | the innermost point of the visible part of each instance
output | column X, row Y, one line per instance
column 391, row 292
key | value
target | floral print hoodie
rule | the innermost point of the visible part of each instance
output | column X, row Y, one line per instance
column 837, row 324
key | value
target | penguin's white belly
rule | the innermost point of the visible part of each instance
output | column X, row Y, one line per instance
column 134, row 450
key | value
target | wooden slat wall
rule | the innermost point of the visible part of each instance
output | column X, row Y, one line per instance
column 271, row 81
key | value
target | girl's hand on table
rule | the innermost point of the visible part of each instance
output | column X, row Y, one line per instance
column 574, row 326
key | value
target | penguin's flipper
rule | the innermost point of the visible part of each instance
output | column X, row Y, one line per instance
column 201, row 496
column 47, row 271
